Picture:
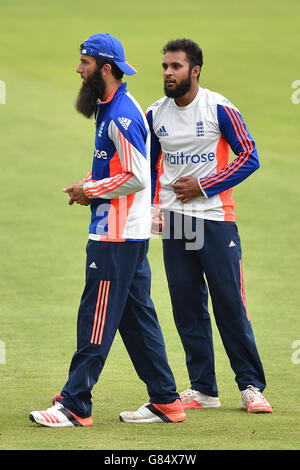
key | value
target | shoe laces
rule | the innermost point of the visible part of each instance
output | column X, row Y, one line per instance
column 189, row 392
column 252, row 393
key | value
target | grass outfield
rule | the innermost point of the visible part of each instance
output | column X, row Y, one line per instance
column 251, row 57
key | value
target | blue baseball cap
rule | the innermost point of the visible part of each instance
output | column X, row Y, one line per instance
column 108, row 47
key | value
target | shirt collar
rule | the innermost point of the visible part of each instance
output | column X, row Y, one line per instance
column 115, row 93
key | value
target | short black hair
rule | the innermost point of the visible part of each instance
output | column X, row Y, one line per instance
column 117, row 73
column 193, row 51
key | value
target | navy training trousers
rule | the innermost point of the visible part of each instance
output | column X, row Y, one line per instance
column 117, row 296
column 212, row 258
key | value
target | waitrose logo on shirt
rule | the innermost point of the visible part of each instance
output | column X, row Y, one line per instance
column 181, row 159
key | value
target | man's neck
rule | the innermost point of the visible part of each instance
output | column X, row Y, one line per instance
column 110, row 89
column 188, row 97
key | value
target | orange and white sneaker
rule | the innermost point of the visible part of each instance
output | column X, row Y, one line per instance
column 155, row 413
column 59, row 417
column 254, row 402
column 192, row 400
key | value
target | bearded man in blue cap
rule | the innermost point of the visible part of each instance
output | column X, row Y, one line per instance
column 117, row 287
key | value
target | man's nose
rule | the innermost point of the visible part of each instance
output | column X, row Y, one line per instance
column 167, row 72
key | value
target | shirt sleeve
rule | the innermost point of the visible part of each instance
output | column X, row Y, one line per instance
column 88, row 177
column 155, row 159
column 234, row 129
column 132, row 177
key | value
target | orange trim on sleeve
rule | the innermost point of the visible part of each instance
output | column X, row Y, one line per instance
column 222, row 153
column 160, row 171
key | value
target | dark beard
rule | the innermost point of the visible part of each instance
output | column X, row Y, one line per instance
column 89, row 94
column 180, row 89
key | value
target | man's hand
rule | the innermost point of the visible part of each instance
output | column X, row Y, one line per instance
column 75, row 191
column 158, row 222
column 187, row 188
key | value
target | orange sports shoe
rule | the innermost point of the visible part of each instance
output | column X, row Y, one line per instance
column 254, row 402
column 59, row 417
column 156, row 413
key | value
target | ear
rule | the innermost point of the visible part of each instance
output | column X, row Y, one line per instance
column 196, row 71
column 106, row 69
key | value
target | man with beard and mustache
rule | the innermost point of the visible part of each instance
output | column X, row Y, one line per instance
column 117, row 288
column 192, row 131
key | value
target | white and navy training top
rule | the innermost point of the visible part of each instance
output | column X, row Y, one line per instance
column 195, row 140
column 119, row 184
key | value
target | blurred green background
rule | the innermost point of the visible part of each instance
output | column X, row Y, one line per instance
column 251, row 56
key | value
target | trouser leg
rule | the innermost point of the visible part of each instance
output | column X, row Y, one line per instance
column 110, row 268
column 143, row 339
column 222, row 261
column 189, row 297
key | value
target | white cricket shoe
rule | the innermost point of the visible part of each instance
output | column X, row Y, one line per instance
column 192, row 400
column 155, row 413
column 254, row 402
column 58, row 416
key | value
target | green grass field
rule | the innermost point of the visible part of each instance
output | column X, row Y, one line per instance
column 251, row 55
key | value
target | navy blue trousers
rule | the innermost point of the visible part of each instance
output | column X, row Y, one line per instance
column 117, row 296
column 211, row 263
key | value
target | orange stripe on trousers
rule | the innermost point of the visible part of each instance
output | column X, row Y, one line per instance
column 243, row 293
column 96, row 311
column 100, row 312
column 104, row 313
